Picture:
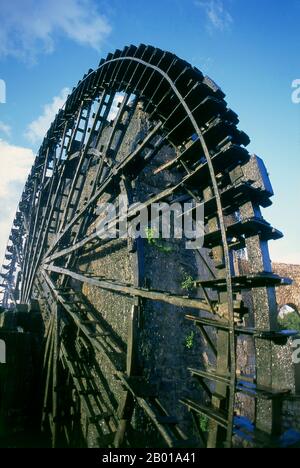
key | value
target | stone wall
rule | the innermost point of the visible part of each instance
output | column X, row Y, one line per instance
column 288, row 294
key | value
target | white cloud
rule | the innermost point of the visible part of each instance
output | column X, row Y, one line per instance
column 15, row 164
column 37, row 129
column 28, row 27
column 5, row 129
column 218, row 16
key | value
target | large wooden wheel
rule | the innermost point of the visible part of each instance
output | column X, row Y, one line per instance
column 142, row 336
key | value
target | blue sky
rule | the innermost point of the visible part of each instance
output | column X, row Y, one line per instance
column 250, row 48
